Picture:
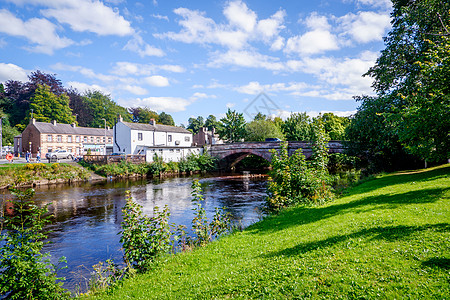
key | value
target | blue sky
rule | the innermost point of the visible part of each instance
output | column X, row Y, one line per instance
column 191, row 58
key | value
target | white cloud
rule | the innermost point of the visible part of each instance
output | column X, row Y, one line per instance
column 242, row 27
column 134, row 89
column 40, row 32
column 160, row 17
column 254, row 87
column 137, row 44
column 365, row 26
column 12, row 72
column 86, row 15
column 250, row 59
column 319, row 39
column 230, row 105
column 198, row 95
column 240, row 16
column 167, row 104
column 85, row 72
column 83, row 87
column 127, row 68
column 156, row 80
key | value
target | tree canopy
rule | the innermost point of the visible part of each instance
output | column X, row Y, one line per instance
column 260, row 129
column 411, row 110
column 232, row 127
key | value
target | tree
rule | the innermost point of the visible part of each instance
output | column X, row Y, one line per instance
column 101, row 106
column 195, row 124
column 411, row 81
column 232, row 126
column 211, row 122
column 47, row 106
column 334, row 126
column 165, row 119
column 143, row 114
column 259, row 116
column 259, row 130
column 80, row 108
column 297, row 127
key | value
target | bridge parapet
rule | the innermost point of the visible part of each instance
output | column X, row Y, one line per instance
column 234, row 152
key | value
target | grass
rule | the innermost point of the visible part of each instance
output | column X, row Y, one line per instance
column 386, row 238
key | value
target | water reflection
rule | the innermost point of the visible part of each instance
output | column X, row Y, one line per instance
column 88, row 216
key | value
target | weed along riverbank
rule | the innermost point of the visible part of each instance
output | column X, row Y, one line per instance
column 33, row 174
column 385, row 238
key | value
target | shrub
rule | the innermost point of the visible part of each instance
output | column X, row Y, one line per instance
column 26, row 273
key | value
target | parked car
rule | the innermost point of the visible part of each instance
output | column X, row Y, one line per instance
column 59, row 154
column 273, row 140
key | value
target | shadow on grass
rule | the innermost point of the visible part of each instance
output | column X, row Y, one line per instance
column 404, row 177
column 311, row 214
column 388, row 233
column 437, row 262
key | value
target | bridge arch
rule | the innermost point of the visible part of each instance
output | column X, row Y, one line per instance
column 230, row 160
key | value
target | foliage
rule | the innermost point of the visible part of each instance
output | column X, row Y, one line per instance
column 411, row 108
column 194, row 124
column 47, row 106
column 165, row 119
column 26, row 273
column 293, row 180
column 144, row 238
column 203, row 230
column 101, row 106
column 105, row 275
column 143, row 114
column 386, row 238
column 297, row 127
column 158, row 166
column 197, row 162
column 260, row 129
column 334, row 125
column 232, row 127
column 29, row 173
column 212, row 123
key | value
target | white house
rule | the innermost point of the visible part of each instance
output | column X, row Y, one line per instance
column 169, row 142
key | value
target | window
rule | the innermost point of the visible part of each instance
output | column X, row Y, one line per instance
column 69, row 149
column 49, row 138
column 104, row 140
column 98, row 140
column 92, row 139
column 85, row 139
column 49, row 149
column 59, row 138
column 139, row 136
column 187, row 138
column 169, row 137
column 69, row 139
column 171, row 150
column 77, row 139
column 178, row 150
column 109, row 140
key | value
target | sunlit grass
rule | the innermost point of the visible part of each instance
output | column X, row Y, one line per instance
column 385, row 238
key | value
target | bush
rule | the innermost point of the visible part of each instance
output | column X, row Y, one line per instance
column 26, row 273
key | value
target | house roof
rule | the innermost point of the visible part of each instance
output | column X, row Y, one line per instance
column 57, row 128
column 157, row 127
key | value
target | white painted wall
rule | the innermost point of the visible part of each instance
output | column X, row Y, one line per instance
column 171, row 154
column 122, row 137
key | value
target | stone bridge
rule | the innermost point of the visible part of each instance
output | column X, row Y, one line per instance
column 230, row 154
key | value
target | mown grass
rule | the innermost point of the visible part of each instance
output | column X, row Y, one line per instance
column 387, row 238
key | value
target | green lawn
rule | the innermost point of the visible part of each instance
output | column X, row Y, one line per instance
column 387, row 238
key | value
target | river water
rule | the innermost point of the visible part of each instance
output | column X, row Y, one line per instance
column 88, row 216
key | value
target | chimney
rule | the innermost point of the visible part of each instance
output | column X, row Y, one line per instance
column 54, row 122
column 33, row 121
column 120, row 118
column 152, row 122
column 74, row 125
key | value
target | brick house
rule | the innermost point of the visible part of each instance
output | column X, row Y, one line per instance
column 47, row 137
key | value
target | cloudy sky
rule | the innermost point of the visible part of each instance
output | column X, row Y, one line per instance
column 191, row 58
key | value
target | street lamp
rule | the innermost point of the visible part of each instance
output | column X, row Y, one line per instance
column 1, row 137
column 104, row 139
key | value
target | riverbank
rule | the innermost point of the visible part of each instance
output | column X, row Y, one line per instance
column 35, row 174
column 386, row 238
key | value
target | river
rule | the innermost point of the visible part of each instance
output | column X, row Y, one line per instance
column 88, row 216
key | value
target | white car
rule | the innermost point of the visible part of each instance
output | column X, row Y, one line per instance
column 59, row 154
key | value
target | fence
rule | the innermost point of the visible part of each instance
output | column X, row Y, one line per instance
column 113, row 159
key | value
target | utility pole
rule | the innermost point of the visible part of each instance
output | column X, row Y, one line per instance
column 1, row 138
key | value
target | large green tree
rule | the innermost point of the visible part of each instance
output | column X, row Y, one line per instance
column 334, row 125
column 259, row 130
column 101, row 106
column 46, row 106
column 143, row 114
column 297, row 127
column 194, row 124
column 165, row 119
column 232, row 127
column 411, row 110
